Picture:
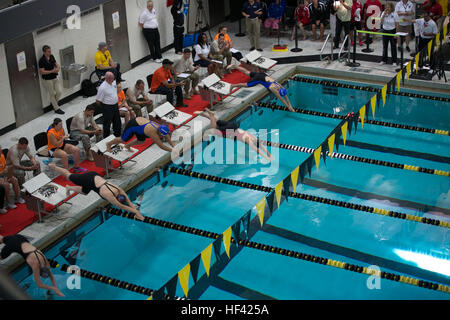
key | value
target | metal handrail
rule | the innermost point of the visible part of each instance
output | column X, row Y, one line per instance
column 342, row 47
column 323, row 48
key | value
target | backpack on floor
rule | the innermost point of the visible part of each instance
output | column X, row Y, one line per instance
column 88, row 88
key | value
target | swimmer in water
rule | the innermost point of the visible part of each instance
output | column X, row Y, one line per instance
column 263, row 79
column 230, row 127
column 92, row 181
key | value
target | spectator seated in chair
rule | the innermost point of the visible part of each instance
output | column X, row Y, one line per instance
column 163, row 83
column 105, row 63
column 124, row 109
column 223, row 29
column 58, row 147
column 185, row 65
column 220, row 49
column 6, row 178
column 202, row 54
column 20, row 167
column 137, row 98
column 302, row 18
column 83, row 127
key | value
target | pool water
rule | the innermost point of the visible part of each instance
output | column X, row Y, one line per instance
column 150, row 255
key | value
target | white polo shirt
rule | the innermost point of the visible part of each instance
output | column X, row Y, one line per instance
column 107, row 93
column 204, row 50
column 148, row 19
column 389, row 20
column 401, row 7
column 428, row 27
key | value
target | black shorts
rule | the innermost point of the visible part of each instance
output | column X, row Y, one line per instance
column 85, row 180
column 321, row 17
column 52, row 151
column 355, row 25
column 224, row 125
column 202, row 63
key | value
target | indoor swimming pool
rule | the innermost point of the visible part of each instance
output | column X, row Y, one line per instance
column 152, row 256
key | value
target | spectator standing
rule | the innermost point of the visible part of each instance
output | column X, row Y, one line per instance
column 149, row 24
column 49, row 69
column 388, row 22
column 83, row 127
column 355, row 21
column 343, row 17
column 178, row 25
column 107, row 98
column 427, row 31
column 274, row 15
column 405, row 11
column 252, row 10
column 435, row 11
column 372, row 9
column 14, row 158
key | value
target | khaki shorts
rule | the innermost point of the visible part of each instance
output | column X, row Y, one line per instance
column 407, row 29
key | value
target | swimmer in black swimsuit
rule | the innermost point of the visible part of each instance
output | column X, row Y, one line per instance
column 92, row 181
column 33, row 257
column 230, row 129
column 264, row 80
column 143, row 129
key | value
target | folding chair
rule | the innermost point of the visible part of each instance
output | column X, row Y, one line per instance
column 157, row 99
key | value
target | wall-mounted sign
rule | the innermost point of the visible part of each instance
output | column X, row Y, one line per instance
column 21, row 61
column 116, row 20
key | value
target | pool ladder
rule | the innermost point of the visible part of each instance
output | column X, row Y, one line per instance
column 328, row 58
column 345, row 55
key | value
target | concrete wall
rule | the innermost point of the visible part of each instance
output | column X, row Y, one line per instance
column 84, row 41
column 138, row 45
column 7, row 118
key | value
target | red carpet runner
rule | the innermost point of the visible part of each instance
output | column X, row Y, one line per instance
column 16, row 220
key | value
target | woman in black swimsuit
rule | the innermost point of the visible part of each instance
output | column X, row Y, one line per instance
column 92, row 181
column 33, row 257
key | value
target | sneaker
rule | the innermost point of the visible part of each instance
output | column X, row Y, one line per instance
column 79, row 170
column 90, row 157
column 399, row 48
column 408, row 49
column 260, row 50
column 183, row 105
column 195, row 92
column 382, row 62
column 3, row 211
column 20, row 200
column 252, row 48
column 12, row 206
column 158, row 60
column 59, row 111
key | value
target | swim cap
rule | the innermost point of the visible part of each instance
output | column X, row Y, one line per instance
column 163, row 129
column 283, row 92
column 44, row 272
column 121, row 198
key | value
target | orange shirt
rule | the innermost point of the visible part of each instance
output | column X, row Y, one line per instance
column 2, row 163
column 121, row 97
column 160, row 76
column 57, row 134
column 225, row 36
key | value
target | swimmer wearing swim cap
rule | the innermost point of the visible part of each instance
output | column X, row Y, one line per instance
column 264, row 80
column 143, row 129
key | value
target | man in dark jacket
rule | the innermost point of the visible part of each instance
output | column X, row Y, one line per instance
column 178, row 25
